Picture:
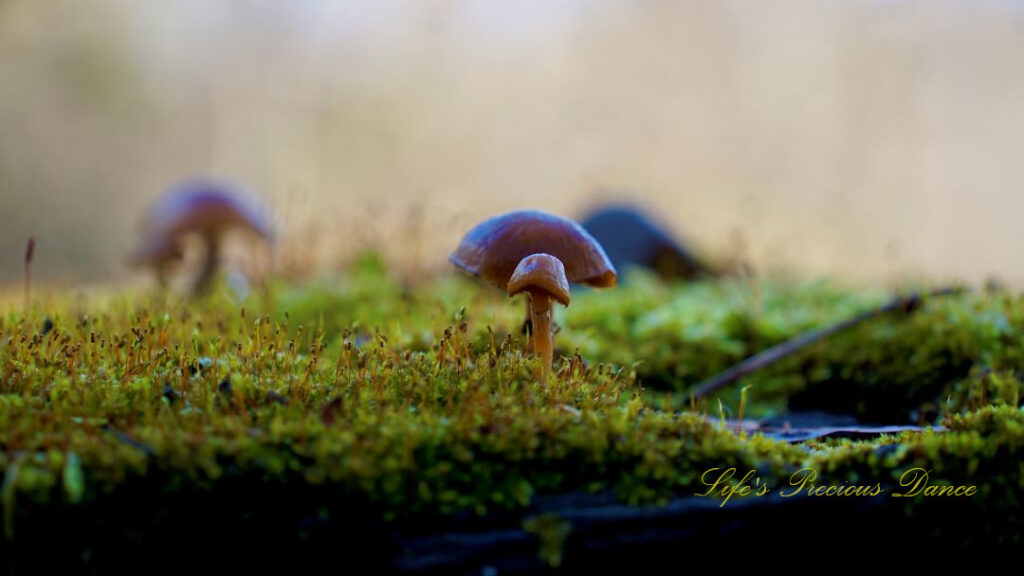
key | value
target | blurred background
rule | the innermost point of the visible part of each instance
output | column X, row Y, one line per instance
column 874, row 140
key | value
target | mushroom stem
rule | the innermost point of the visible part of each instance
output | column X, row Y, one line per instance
column 528, row 327
column 543, row 340
column 163, row 274
column 211, row 261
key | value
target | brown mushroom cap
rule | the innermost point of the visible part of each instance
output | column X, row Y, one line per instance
column 207, row 208
column 540, row 272
column 494, row 248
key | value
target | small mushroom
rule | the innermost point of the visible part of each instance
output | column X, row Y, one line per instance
column 632, row 237
column 542, row 277
column 496, row 248
column 208, row 210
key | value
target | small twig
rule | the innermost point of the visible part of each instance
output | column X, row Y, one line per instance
column 780, row 351
column 30, row 251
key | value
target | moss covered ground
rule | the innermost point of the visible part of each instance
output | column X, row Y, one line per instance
column 362, row 404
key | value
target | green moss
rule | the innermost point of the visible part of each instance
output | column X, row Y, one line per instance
column 682, row 334
column 417, row 401
column 983, row 449
column 925, row 356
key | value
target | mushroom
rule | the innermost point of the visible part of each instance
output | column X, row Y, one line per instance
column 496, row 248
column 542, row 277
column 632, row 237
column 205, row 209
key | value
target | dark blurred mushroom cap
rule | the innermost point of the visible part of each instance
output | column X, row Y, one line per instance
column 493, row 248
column 207, row 208
column 632, row 237
column 540, row 272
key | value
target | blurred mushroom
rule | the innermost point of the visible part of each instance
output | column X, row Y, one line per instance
column 496, row 248
column 542, row 277
column 631, row 237
column 208, row 210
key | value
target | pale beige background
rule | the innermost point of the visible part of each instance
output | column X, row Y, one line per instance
column 876, row 140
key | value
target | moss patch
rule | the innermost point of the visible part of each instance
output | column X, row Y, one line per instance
column 410, row 402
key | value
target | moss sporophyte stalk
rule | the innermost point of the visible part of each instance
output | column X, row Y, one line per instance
column 369, row 401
